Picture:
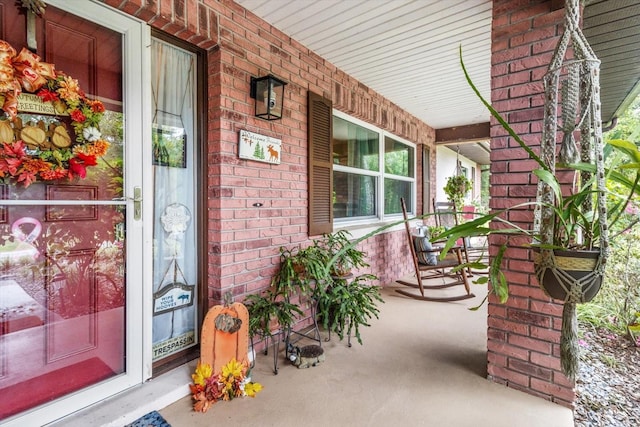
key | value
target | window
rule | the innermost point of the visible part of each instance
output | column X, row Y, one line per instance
column 357, row 172
column 372, row 170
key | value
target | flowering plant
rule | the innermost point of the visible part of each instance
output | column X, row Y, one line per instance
column 232, row 382
column 53, row 154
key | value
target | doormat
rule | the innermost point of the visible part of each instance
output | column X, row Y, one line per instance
column 152, row 419
column 47, row 387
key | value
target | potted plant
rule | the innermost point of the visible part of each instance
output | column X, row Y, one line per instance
column 456, row 188
column 349, row 256
column 299, row 268
column 344, row 303
column 278, row 307
column 268, row 312
column 317, row 271
column 434, row 232
column 571, row 228
column 347, row 304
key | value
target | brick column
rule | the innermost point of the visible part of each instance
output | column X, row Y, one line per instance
column 523, row 334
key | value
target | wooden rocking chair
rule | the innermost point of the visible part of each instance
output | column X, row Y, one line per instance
column 472, row 251
column 440, row 269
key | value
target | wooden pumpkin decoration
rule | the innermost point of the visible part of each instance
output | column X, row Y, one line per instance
column 225, row 335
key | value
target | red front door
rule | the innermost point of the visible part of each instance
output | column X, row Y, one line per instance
column 62, row 257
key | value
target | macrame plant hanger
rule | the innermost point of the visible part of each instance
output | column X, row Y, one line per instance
column 572, row 94
column 458, row 162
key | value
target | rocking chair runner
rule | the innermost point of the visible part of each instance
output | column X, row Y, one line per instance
column 425, row 271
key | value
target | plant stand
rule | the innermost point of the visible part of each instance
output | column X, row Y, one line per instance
column 348, row 337
column 275, row 343
column 312, row 332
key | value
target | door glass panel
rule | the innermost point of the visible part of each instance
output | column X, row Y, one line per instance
column 62, row 257
column 175, row 254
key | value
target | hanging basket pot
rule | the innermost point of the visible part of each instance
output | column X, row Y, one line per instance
column 557, row 270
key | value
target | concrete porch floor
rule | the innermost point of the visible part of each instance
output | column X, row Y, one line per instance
column 421, row 364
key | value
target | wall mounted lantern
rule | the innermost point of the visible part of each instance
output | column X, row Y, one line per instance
column 268, row 91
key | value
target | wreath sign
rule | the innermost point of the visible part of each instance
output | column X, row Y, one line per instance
column 31, row 152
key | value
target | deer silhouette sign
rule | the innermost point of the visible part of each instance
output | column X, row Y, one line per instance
column 273, row 154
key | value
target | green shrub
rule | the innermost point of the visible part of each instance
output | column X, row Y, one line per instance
column 615, row 307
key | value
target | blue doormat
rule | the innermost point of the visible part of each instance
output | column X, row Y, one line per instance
column 152, row 419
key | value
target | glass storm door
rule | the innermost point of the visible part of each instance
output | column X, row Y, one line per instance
column 66, row 245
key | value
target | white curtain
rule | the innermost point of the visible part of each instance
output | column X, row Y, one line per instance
column 173, row 76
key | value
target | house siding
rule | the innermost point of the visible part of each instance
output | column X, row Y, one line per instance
column 243, row 241
column 523, row 334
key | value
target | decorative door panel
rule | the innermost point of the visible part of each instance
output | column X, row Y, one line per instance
column 96, row 44
column 71, row 296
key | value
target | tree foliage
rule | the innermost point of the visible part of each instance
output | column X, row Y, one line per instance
column 617, row 304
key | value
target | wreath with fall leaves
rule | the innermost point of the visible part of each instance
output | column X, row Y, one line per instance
column 37, row 151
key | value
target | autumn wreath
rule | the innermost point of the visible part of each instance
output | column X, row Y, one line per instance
column 31, row 152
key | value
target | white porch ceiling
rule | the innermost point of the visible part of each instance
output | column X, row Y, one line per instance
column 406, row 50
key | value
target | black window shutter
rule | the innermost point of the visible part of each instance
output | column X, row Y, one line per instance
column 320, row 137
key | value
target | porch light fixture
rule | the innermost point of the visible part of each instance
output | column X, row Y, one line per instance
column 268, row 91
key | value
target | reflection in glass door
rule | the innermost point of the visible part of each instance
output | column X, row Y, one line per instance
column 62, row 276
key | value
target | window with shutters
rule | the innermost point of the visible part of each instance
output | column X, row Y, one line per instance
column 372, row 170
column 357, row 172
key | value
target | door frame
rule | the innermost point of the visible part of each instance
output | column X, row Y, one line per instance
column 137, row 119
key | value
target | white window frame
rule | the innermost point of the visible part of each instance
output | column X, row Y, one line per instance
column 361, row 225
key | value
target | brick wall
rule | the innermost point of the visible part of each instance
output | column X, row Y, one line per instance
column 524, row 334
column 243, row 240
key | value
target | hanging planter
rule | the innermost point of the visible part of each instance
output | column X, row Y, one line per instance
column 456, row 188
column 561, row 269
column 572, row 106
column 575, row 220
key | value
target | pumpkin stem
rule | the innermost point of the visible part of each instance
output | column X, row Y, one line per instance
column 228, row 299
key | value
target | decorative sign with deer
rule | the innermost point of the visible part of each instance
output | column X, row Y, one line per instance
column 261, row 148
